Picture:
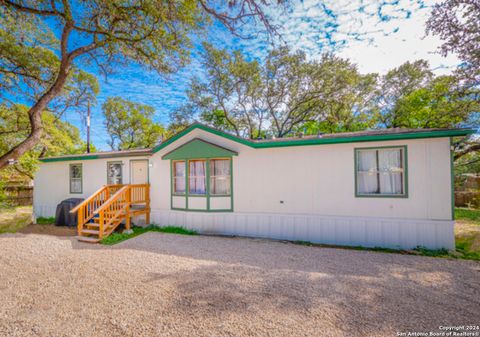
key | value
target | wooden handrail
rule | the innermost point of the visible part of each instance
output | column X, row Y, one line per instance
column 111, row 200
column 90, row 198
column 109, row 206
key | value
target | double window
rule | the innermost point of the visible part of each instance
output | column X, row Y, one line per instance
column 381, row 171
column 199, row 170
column 76, row 178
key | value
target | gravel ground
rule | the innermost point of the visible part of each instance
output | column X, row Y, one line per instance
column 172, row 285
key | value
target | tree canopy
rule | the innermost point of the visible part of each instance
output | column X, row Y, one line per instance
column 130, row 124
column 287, row 94
column 44, row 43
column 279, row 96
column 59, row 138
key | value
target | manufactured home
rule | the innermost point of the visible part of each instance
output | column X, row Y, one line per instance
column 383, row 188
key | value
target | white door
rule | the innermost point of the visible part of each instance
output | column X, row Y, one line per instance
column 139, row 171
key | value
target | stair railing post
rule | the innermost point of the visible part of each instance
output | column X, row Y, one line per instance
column 147, row 204
column 101, row 220
column 128, row 199
column 80, row 220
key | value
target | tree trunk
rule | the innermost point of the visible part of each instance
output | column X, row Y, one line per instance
column 35, row 116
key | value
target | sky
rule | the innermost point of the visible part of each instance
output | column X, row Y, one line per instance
column 376, row 35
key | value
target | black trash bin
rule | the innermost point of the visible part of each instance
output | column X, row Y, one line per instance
column 63, row 216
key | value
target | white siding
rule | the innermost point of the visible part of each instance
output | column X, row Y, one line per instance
column 296, row 193
column 308, row 193
column 51, row 183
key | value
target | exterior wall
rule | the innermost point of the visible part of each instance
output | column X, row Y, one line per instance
column 295, row 193
column 52, row 181
column 313, row 186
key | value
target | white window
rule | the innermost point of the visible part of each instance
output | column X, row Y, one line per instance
column 76, row 178
column 196, row 177
column 220, row 177
column 179, row 177
column 381, row 172
column 114, row 173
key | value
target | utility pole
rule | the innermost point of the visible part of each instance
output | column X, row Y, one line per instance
column 88, row 127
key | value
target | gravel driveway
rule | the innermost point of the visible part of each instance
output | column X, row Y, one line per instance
column 172, row 285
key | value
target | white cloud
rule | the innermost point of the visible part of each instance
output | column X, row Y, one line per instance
column 376, row 35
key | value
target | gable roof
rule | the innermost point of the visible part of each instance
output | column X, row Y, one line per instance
column 198, row 147
column 334, row 138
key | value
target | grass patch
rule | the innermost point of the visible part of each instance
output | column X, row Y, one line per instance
column 372, row 249
column 13, row 219
column 46, row 221
column 468, row 214
column 463, row 250
column 115, row 238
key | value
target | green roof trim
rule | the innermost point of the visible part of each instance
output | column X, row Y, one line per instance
column 319, row 141
column 100, row 155
column 79, row 157
column 198, row 148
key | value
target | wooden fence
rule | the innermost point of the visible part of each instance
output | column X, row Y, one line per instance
column 18, row 193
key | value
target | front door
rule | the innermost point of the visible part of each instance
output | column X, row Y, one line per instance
column 139, row 172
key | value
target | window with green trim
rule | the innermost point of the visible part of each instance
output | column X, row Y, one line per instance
column 381, row 171
column 179, row 180
column 76, row 178
column 197, row 179
column 220, row 177
column 202, row 181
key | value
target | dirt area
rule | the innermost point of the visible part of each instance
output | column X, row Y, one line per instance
column 49, row 230
column 171, row 285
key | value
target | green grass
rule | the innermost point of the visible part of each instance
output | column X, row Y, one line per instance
column 46, row 221
column 13, row 219
column 459, row 253
column 468, row 214
column 115, row 238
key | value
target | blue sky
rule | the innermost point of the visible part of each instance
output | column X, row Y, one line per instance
column 376, row 35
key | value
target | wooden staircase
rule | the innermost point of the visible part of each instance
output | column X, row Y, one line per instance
column 101, row 213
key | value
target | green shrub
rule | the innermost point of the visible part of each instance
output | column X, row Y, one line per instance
column 46, row 221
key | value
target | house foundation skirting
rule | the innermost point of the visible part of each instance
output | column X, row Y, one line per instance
column 332, row 230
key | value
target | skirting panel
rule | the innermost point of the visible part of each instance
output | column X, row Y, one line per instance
column 349, row 231
column 44, row 211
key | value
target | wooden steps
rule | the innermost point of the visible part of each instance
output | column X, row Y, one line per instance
column 88, row 239
column 102, row 213
column 90, row 231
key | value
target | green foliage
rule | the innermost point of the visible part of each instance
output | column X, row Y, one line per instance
column 130, row 124
column 44, row 45
column 59, row 138
column 438, row 104
column 287, row 94
column 472, row 215
column 115, row 238
column 284, row 95
column 46, row 221
column 433, row 252
column 469, row 163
